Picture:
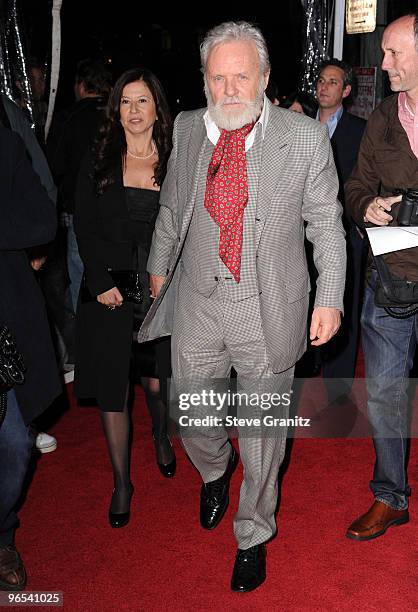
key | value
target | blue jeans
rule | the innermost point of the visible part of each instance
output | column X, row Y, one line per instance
column 74, row 263
column 16, row 443
column 389, row 346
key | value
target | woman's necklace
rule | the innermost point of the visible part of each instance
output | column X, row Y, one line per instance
column 143, row 156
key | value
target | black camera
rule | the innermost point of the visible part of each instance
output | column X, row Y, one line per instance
column 408, row 208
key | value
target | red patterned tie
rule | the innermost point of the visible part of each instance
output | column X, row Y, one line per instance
column 227, row 194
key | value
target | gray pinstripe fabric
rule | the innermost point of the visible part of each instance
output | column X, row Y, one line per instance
column 263, row 334
column 200, row 260
column 210, row 334
column 297, row 182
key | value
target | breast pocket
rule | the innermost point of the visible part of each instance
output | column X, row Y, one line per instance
column 297, row 288
column 387, row 156
column 392, row 167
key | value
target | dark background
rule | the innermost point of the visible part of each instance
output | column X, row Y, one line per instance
column 117, row 33
column 170, row 49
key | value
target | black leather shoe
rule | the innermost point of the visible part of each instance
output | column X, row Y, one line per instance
column 214, row 496
column 12, row 570
column 249, row 569
column 120, row 519
column 167, row 469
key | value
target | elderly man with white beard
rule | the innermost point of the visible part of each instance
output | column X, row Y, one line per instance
column 228, row 271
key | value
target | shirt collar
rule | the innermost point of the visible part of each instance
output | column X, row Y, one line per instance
column 213, row 132
column 404, row 107
column 333, row 119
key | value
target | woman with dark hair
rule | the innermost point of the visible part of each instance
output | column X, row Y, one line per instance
column 301, row 102
column 117, row 203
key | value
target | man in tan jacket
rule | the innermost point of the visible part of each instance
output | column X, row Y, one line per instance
column 387, row 162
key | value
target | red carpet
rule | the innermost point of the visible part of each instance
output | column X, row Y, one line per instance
column 163, row 560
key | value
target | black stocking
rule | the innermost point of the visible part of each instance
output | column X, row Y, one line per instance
column 116, row 426
column 158, row 412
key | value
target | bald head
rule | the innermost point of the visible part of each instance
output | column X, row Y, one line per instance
column 401, row 56
column 404, row 25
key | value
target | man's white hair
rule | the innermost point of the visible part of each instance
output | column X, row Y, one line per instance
column 231, row 31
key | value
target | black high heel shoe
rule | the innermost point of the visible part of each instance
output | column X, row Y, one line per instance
column 120, row 519
column 167, row 469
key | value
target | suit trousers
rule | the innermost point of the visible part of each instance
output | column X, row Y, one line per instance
column 210, row 335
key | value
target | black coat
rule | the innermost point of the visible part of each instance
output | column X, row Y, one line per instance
column 103, row 336
column 70, row 143
column 16, row 120
column 27, row 219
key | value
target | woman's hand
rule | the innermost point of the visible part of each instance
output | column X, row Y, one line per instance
column 111, row 298
column 156, row 282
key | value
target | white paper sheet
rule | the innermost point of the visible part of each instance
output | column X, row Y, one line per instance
column 388, row 239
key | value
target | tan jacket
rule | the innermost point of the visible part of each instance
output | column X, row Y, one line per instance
column 385, row 163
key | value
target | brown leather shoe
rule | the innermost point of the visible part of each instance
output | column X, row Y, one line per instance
column 12, row 570
column 375, row 522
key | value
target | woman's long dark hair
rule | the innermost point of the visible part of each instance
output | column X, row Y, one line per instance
column 111, row 142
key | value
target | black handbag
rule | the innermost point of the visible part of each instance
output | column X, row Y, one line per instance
column 127, row 282
column 12, row 367
column 392, row 292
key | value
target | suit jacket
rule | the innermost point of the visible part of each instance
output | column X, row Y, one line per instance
column 385, row 163
column 27, row 219
column 298, row 182
column 345, row 143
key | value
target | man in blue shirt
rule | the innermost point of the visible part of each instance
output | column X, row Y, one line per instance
column 334, row 86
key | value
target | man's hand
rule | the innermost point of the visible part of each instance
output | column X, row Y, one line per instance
column 156, row 282
column 110, row 298
column 324, row 325
column 37, row 263
column 376, row 210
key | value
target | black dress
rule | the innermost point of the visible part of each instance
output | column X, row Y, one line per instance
column 142, row 207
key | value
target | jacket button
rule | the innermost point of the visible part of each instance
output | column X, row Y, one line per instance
column 216, row 278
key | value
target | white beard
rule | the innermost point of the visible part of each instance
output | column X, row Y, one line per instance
column 227, row 120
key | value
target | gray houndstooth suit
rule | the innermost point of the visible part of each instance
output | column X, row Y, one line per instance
column 258, row 326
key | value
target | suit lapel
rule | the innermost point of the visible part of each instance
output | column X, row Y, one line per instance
column 275, row 150
column 196, row 149
column 195, row 152
column 340, row 128
column 276, row 145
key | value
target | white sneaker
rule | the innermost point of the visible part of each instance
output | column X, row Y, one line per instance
column 45, row 443
column 68, row 376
